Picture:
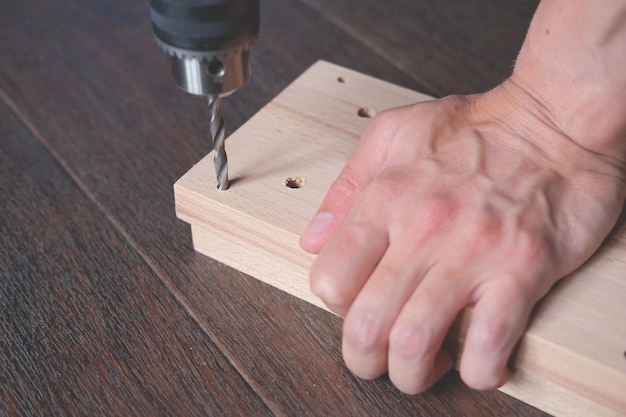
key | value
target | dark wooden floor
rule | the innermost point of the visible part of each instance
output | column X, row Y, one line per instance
column 104, row 307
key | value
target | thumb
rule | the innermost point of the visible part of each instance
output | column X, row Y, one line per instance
column 331, row 214
column 361, row 167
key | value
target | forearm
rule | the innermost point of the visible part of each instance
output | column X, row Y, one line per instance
column 573, row 62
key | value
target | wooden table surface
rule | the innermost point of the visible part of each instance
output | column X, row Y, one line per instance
column 105, row 309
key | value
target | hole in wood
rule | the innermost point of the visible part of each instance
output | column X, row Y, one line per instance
column 294, row 182
column 341, row 79
column 366, row 112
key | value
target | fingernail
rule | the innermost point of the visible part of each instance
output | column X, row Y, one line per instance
column 318, row 225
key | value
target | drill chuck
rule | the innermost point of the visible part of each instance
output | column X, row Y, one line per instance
column 208, row 42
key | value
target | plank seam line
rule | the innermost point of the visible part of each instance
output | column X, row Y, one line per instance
column 428, row 89
column 150, row 263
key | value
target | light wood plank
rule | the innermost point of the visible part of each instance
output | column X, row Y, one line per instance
column 571, row 361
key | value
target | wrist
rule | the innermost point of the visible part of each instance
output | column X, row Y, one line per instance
column 572, row 64
column 527, row 128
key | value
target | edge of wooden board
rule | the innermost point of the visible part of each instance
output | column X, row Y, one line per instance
column 308, row 131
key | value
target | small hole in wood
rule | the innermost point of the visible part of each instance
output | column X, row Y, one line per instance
column 366, row 112
column 294, row 182
column 341, row 79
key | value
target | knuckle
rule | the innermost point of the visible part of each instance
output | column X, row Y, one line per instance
column 345, row 186
column 335, row 288
column 479, row 238
column 532, row 247
column 364, row 333
column 410, row 339
column 436, row 213
column 356, row 234
column 326, row 287
column 490, row 335
column 485, row 232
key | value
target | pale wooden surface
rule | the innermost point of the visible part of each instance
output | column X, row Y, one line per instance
column 571, row 360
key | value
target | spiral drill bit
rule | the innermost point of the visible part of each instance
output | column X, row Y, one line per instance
column 208, row 43
column 219, row 143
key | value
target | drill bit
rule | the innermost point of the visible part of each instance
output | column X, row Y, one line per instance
column 218, row 138
column 208, row 43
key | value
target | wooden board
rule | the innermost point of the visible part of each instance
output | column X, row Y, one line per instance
column 572, row 359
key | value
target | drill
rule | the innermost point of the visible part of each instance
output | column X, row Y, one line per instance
column 208, row 42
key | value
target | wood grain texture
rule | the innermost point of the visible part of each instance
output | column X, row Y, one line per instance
column 575, row 343
column 306, row 132
column 86, row 79
column 87, row 328
column 471, row 31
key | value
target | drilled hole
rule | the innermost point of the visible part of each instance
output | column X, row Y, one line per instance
column 366, row 112
column 342, row 79
column 294, row 182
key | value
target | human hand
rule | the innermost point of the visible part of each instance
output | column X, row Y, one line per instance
column 476, row 200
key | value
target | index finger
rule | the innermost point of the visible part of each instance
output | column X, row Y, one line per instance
column 359, row 170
